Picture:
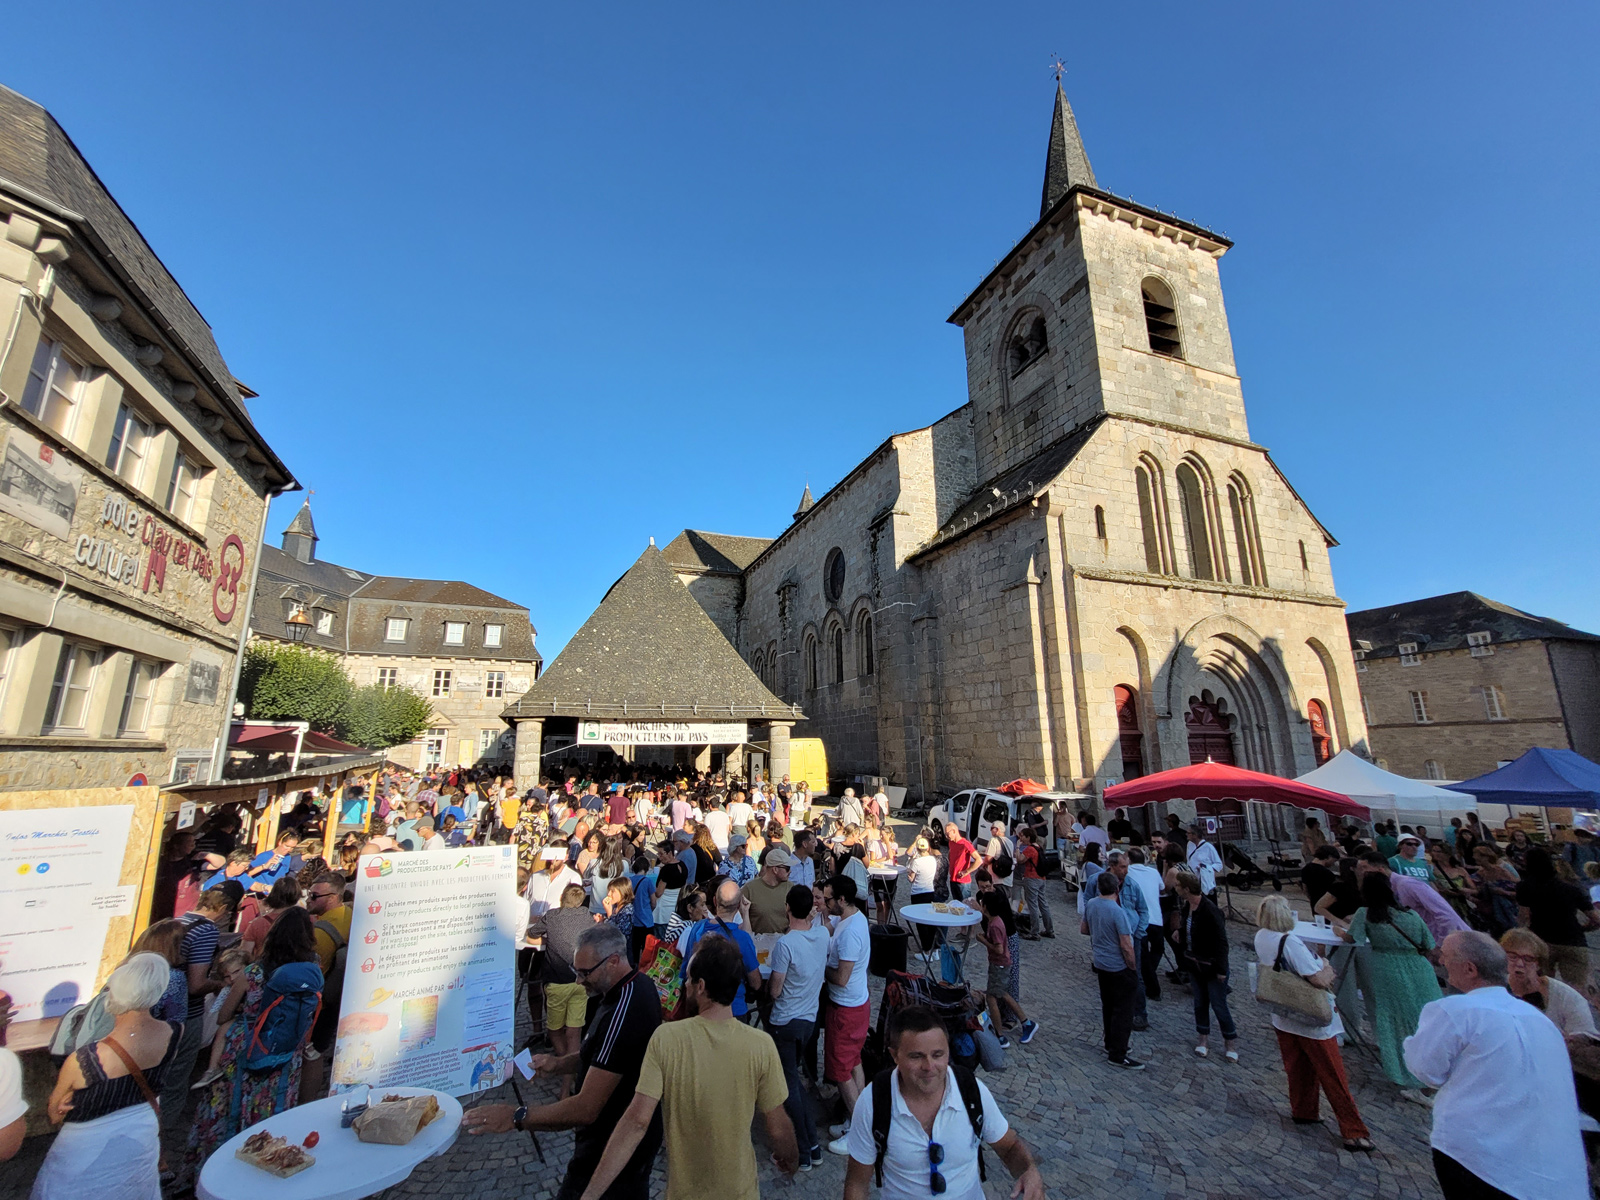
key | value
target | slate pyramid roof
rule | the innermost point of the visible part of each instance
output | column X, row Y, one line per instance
column 714, row 553
column 650, row 651
column 806, row 503
column 1067, row 163
column 302, row 522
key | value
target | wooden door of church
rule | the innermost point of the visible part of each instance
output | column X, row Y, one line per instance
column 1129, row 736
column 1208, row 733
column 1321, row 739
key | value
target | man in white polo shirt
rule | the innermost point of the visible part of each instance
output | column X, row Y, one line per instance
column 923, row 1122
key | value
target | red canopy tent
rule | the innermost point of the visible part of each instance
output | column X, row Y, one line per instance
column 286, row 739
column 1217, row 783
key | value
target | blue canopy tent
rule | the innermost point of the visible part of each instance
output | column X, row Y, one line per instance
column 1559, row 778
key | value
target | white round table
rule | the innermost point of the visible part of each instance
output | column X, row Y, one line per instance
column 924, row 914
column 346, row 1168
column 1317, row 935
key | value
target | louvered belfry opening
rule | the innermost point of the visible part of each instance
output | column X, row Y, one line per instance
column 1161, row 319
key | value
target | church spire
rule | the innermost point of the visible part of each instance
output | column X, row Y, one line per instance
column 805, row 503
column 1067, row 164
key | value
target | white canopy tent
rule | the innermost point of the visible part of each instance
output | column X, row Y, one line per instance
column 1351, row 775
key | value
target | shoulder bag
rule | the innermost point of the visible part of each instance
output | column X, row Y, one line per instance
column 1289, row 994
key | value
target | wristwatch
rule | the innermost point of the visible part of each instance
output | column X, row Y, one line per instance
column 517, row 1117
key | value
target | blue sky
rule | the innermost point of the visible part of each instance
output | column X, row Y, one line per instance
column 524, row 285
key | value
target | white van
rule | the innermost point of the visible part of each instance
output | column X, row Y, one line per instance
column 975, row 809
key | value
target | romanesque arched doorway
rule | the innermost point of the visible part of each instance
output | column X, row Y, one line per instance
column 1208, row 726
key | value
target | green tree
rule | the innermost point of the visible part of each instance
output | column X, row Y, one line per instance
column 382, row 717
column 295, row 683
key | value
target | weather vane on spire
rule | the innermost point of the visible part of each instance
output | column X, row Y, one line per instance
column 1059, row 67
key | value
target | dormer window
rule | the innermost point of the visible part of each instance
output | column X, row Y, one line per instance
column 1160, row 318
column 394, row 629
column 455, row 633
column 1027, row 345
column 1478, row 643
column 491, row 636
column 1408, row 654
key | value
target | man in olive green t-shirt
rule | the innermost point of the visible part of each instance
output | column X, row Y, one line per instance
column 707, row 1073
column 768, row 892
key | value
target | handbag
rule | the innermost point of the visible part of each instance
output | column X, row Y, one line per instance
column 1290, row 995
column 661, row 965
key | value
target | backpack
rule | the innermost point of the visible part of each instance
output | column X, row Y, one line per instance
column 333, row 979
column 290, row 1005
column 1003, row 866
column 883, row 1110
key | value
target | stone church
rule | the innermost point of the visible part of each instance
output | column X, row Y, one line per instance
column 1087, row 572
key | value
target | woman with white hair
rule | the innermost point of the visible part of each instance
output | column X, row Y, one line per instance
column 105, row 1096
column 1311, row 1057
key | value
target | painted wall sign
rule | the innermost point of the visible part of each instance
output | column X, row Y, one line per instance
column 661, row 733
column 39, row 485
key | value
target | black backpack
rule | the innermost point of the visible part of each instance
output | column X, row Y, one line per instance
column 883, row 1110
column 333, row 985
column 1003, row 866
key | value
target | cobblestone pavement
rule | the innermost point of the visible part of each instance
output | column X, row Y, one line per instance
column 1185, row 1127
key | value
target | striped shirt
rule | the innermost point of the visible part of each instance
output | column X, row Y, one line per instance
column 618, row 1034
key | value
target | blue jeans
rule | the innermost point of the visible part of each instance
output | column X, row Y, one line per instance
column 1212, row 993
column 791, row 1039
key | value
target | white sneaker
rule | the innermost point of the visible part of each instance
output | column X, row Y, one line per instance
column 839, row 1131
column 839, row 1145
column 1417, row 1096
column 1201, row 1051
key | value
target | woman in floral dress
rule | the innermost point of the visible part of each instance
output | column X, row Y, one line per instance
column 239, row 1098
column 532, row 831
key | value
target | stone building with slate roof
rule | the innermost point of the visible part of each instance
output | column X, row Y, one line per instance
column 464, row 649
column 133, row 488
column 650, row 675
column 1087, row 572
column 1456, row 685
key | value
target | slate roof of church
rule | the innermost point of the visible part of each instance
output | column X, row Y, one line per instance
column 714, row 553
column 1443, row 622
column 1013, row 488
column 650, row 650
column 40, row 163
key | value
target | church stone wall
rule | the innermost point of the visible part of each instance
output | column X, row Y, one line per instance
column 720, row 596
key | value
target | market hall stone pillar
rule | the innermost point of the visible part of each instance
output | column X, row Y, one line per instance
column 530, row 742
column 778, row 750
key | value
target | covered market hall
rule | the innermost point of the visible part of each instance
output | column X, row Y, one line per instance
column 649, row 679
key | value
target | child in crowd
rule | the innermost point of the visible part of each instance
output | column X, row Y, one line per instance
column 230, row 965
column 993, row 935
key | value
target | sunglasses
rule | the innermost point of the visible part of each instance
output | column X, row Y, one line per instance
column 936, row 1183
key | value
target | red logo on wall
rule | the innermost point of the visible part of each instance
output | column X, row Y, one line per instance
column 230, row 569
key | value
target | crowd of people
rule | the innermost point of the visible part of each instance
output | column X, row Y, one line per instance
column 1449, row 963
column 696, row 950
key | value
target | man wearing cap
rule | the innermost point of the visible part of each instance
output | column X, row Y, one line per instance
column 767, row 893
column 738, row 865
column 1409, row 860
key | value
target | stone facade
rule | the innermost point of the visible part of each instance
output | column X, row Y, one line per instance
column 463, row 649
column 133, row 487
column 962, row 608
column 1454, row 686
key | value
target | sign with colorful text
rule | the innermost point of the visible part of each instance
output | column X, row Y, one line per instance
column 58, row 892
column 430, row 972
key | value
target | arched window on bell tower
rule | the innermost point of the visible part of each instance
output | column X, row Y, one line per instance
column 1161, row 318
